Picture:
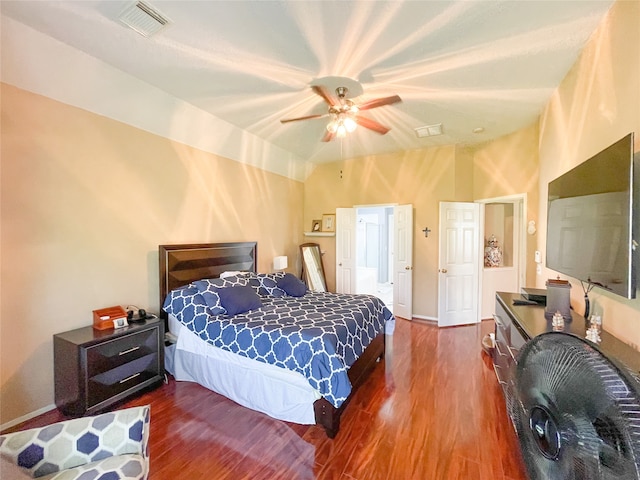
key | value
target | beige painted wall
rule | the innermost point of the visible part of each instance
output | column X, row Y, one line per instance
column 425, row 178
column 85, row 202
column 509, row 166
column 597, row 104
column 422, row 178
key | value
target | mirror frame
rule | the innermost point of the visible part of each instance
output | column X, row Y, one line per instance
column 304, row 275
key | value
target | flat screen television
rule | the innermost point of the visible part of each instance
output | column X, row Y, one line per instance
column 590, row 221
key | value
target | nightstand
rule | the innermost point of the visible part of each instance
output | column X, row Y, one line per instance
column 95, row 368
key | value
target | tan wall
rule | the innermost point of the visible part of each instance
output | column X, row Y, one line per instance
column 597, row 104
column 509, row 166
column 85, row 202
column 422, row 178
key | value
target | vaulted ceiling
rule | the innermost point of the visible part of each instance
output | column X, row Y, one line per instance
column 482, row 69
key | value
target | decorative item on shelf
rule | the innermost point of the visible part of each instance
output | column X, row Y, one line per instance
column 316, row 225
column 557, row 322
column 492, row 253
column 280, row 263
column 593, row 332
column 328, row 222
column 558, row 299
column 595, row 326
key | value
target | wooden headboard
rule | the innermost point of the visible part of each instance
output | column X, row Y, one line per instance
column 186, row 263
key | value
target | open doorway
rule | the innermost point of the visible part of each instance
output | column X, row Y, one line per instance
column 374, row 252
column 505, row 248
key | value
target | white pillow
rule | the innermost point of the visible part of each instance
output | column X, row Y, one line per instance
column 231, row 274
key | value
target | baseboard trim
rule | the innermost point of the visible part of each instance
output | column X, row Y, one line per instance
column 423, row 317
column 26, row 417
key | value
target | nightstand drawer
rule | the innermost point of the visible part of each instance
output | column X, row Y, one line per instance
column 108, row 384
column 117, row 352
column 96, row 368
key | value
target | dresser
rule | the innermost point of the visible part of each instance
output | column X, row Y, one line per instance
column 95, row 368
column 516, row 324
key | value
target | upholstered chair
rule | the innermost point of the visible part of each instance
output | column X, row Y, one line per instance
column 110, row 446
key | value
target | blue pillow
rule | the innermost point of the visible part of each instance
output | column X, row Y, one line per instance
column 239, row 299
column 292, row 285
column 209, row 289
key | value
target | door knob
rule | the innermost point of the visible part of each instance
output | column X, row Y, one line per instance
column 444, row 270
column 407, row 267
column 340, row 264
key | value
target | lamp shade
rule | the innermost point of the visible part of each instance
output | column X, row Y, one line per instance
column 280, row 263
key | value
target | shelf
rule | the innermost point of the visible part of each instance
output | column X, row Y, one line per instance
column 319, row 234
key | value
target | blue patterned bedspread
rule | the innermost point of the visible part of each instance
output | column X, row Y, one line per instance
column 319, row 335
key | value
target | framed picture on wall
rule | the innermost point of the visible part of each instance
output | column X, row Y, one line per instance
column 316, row 225
column 328, row 222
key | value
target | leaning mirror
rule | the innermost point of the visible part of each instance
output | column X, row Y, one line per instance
column 312, row 270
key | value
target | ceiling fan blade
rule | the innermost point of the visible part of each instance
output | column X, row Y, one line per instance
column 308, row 117
column 372, row 125
column 325, row 94
column 379, row 102
column 328, row 136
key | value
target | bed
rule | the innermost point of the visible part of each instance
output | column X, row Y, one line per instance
column 209, row 349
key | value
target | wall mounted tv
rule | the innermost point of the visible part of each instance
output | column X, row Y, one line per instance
column 590, row 221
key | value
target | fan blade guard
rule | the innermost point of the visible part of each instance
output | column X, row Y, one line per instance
column 576, row 412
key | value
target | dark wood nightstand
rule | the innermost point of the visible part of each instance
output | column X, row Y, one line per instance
column 96, row 368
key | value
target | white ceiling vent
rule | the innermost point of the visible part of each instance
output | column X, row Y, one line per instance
column 144, row 19
column 429, row 130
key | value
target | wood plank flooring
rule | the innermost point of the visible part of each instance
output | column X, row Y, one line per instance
column 433, row 410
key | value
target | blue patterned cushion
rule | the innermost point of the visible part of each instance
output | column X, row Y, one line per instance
column 292, row 285
column 209, row 289
column 187, row 302
column 239, row 299
column 266, row 284
column 114, row 445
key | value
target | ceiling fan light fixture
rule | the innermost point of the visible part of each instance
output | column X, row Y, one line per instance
column 341, row 124
column 350, row 124
column 344, row 114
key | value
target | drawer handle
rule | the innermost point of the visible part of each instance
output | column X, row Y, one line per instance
column 499, row 351
column 496, row 319
column 514, row 353
column 130, row 378
column 129, row 351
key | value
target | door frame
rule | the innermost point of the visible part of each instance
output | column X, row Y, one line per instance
column 355, row 208
column 518, row 201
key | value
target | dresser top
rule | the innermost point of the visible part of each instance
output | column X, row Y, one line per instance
column 89, row 335
column 531, row 322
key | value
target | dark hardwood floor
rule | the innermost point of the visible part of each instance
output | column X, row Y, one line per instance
column 434, row 410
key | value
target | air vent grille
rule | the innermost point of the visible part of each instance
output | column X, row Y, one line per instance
column 429, row 130
column 144, row 19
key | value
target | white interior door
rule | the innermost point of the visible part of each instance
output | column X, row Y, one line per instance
column 459, row 271
column 345, row 250
column 403, row 261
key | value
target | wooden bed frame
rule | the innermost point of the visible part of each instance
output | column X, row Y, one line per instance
column 183, row 264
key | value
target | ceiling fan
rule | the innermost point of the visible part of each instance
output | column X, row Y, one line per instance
column 345, row 114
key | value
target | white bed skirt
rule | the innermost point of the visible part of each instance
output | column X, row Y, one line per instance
column 278, row 392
